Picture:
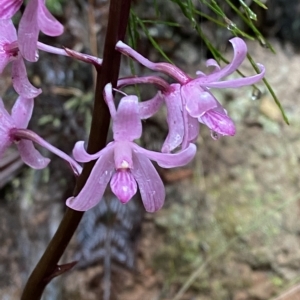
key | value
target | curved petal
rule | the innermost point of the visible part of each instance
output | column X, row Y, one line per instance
column 22, row 111
column 210, row 63
column 31, row 156
column 47, row 23
column 9, row 8
column 28, row 31
column 20, row 80
column 166, row 68
column 127, row 125
column 25, row 134
column 169, row 160
column 198, row 101
column 239, row 54
column 200, row 73
column 123, row 185
column 213, row 63
column 93, row 190
column 235, row 83
column 174, row 119
column 109, row 99
column 150, row 185
column 150, row 107
column 80, row 154
column 218, row 122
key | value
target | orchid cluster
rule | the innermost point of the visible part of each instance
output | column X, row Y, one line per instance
column 122, row 163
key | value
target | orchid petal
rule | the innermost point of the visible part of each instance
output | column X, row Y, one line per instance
column 20, row 80
column 240, row 52
column 9, row 8
column 123, row 185
column 169, row 160
column 127, row 125
column 25, row 134
column 235, row 83
column 8, row 35
column 166, row 68
column 150, row 184
column 213, row 63
column 29, row 31
column 31, row 156
column 200, row 73
column 80, row 154
column 5, row 142
column 5, row 119
column 6, row 123
column 109, row 99
column 193, row 129
column 174, row 119
column 218, row 122
column 150, row 107
column 4, row 60
column 47, row 23
column 198, row 101
column 22, row 111
column 93, row 190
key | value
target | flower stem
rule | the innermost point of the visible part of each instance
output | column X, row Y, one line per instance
column 159, row 82
column 47, row 266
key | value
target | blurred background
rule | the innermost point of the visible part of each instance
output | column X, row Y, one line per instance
column 230, row 227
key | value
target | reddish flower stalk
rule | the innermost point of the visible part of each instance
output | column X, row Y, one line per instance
column 48, row 264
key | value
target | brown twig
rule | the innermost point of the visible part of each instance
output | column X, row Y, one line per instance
column 47, row 266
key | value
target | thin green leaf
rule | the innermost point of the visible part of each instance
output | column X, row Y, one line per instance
column 270, row 90
column 236, row 31
column 132, row 30
column 249, row 22
column 248, row 11
column 229, row 24
column 183, row 7
column 215, row 7
column 218, row 22
column 157, row 12
column 260, row 4
column 172, row 24
column 151, row 39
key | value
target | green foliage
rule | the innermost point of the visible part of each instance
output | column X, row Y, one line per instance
column 55, row 6
column 81, row 104
column 216, row 15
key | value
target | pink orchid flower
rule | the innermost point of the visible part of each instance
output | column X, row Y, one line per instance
column 13, row 130
column 125, row 164
column 170, row 94
column 194, row 95
column 9, row 52
column 36, row 18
